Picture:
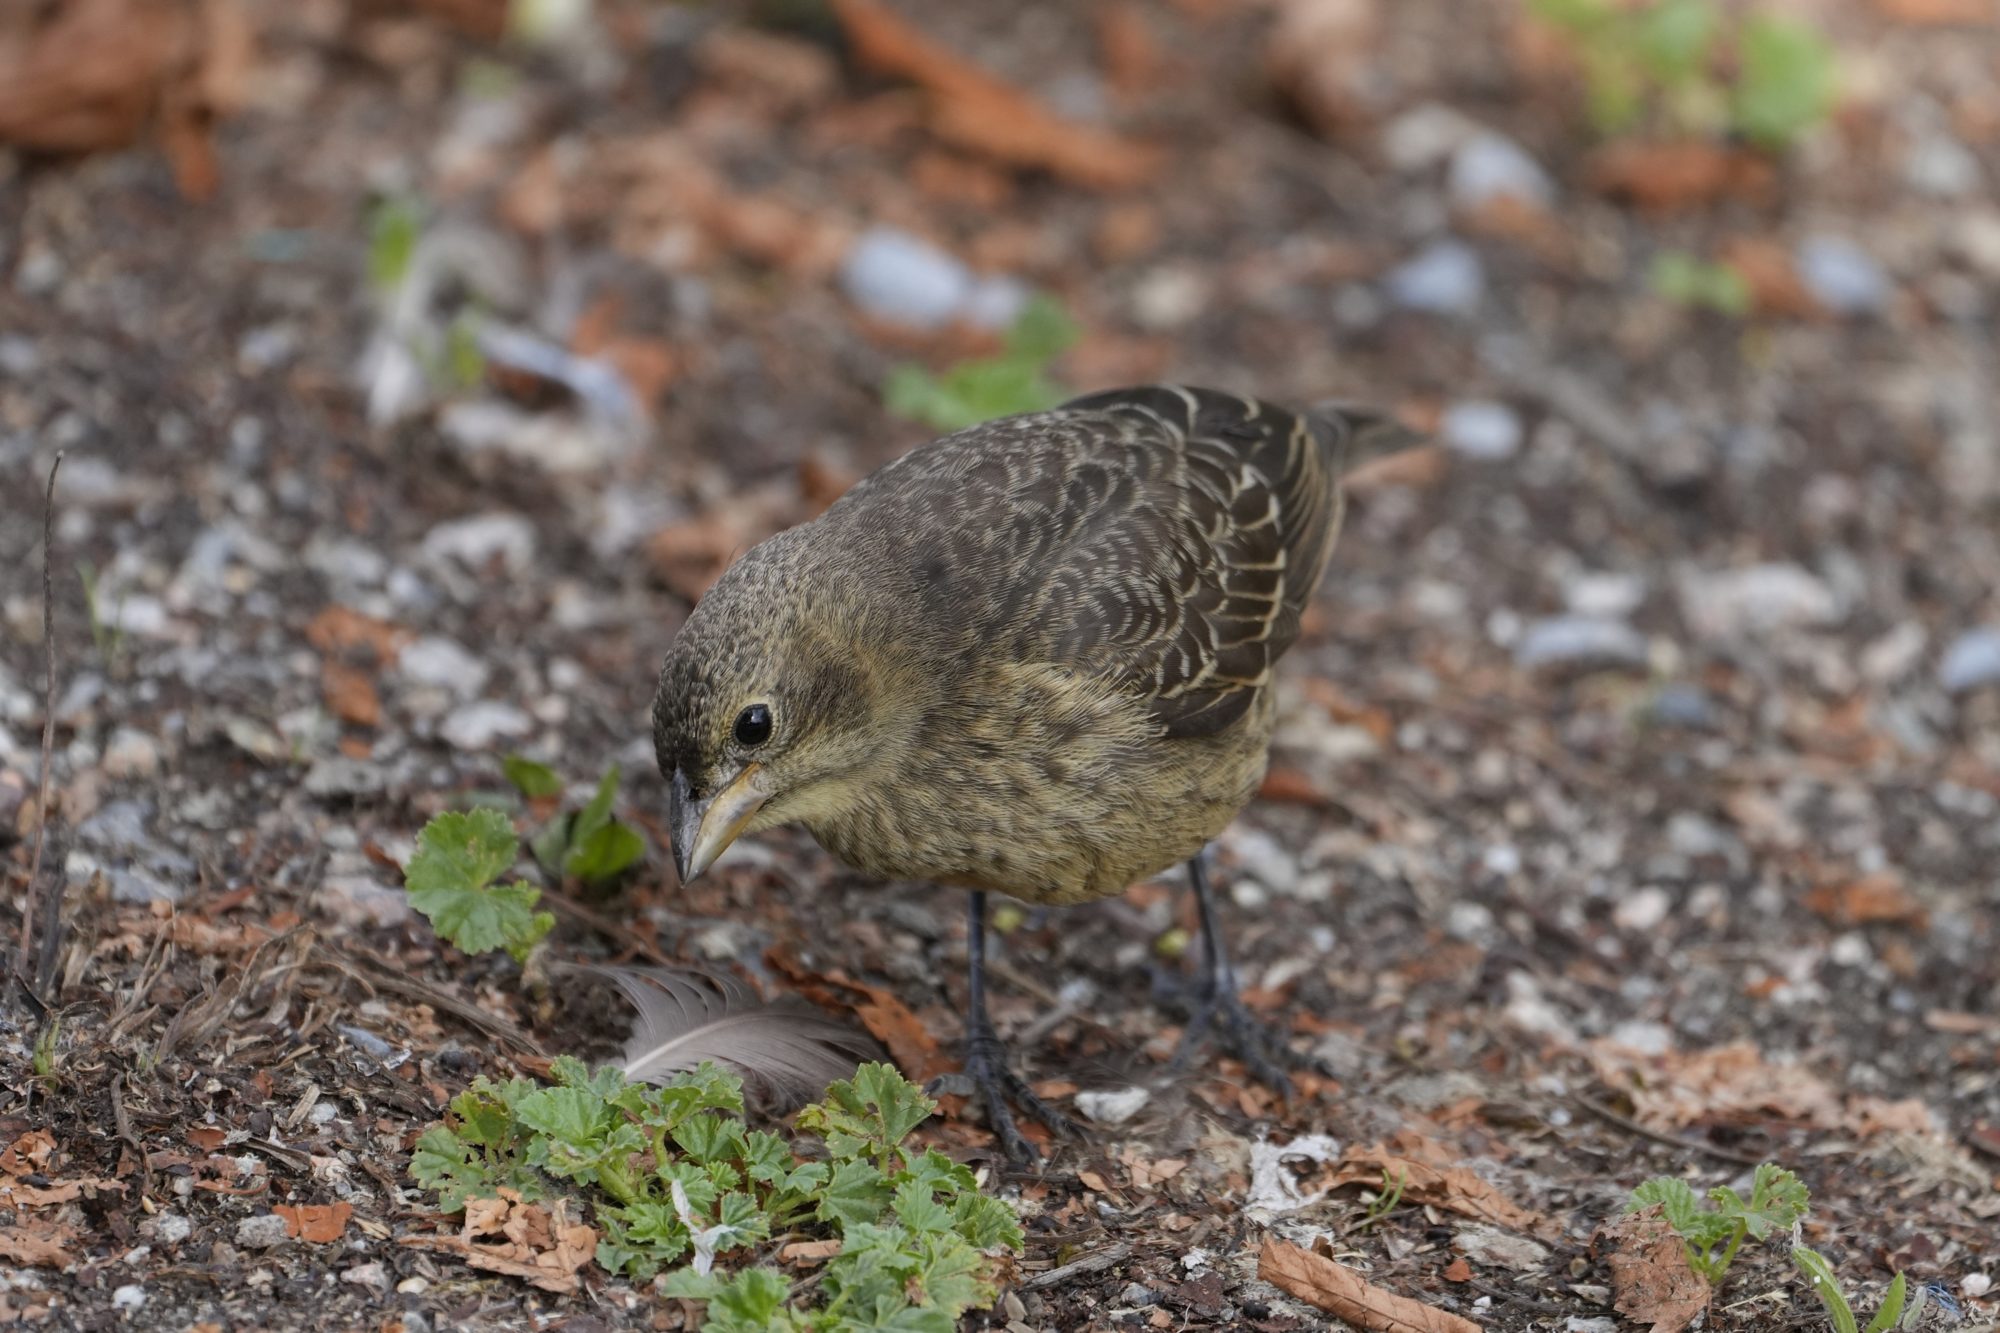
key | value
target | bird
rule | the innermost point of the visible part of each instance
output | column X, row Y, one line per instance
column 1032, row 658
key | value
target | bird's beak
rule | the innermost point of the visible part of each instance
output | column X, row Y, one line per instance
column 702, row 829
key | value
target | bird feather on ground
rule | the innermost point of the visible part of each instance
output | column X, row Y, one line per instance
column 1033, row 657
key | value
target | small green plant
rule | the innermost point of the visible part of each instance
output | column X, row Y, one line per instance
column 1716, row 1228
column 1700, row 284
column 590, row 844
column 1897, row 1311
column 1664, row 60
column 395, row 225
column 451, row 882
column 43, row 1061
column 676, row 1178
column 107, row 633
column 1385, row 1200
column 1017, row 380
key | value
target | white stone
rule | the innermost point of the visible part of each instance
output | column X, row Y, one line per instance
column 475, row 726
column 1642, row 909
column 1842, row 276
column 1489, row 167
column 1481, row 429
column 131, row 1296
column 1446, row 278
column 1112, row 1106
column 1756, row 600
column 1972, row 661
column 476, row 541
column 131, row 754
column 901, row 279
column 1579, row 641
column 436, row 660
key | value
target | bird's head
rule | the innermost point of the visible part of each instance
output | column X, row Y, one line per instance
column 767, row 710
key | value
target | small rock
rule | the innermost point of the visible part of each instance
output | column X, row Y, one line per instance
column 1975, row 238
column 131, row 884
column 166, row 1228
column 1645, row 1038
column 438, row 661
column 477, row 541
column 901, row 279
column 261, row 1232
column 1488, row 167
column 1431, row 1092
column 1577, row 1323
column 1425, row 135
column 1754, row 601
column 1895, row 654
column 995, row 303
column 362, row 900
column 1972, row 662
column 1112, row 1106
column 131, row 754
column 1169, row 297
column 1493, row 1248
column 371, row 1275
column 1573, row 642
column 1445, row 279
column 1481, row 429
column 1137, row 1293
column 1608, row 596
column 1842, row 276
column 1682, row 705
column 722, row 941
column 341, row 777
column 1975, row 1286
column 131, row 1296
column 476, row 725
column 1642, row 909
column 1941, row 167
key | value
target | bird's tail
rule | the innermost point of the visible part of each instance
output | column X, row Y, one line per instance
column 1366, row 434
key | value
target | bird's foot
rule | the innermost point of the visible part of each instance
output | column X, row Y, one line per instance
column 997, row 1085
column 1215, row 1009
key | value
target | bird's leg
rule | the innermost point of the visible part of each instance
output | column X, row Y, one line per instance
column 1217, row 1005
column 986, row 1055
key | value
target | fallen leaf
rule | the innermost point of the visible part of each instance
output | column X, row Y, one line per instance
column 1426, row 1179
column 1458, row 1270
column 43, row 1245
column 1130, row 52
column 981, row 113
column 887, row 1018
column 20, row 1194
column 1676, row 175
column 1345, row 1294
column 1767, row 269
column 315, row 1223
column 537, row 1243
column 809, row 1251
column 1321, row 57
column 339, row 629
column 1650, row 1278
column 350, row 694
column 207, row 1138
column 1875, row 898
column 28, row 1154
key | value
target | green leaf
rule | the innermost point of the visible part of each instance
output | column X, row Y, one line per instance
column 1042, row 331
column 1784, row 82
column 551, row 845
column 450, row 881
column 445, row 1164
column 1579, row 16
column 1674, row 38
column 1676, row 1198
column 869, row 1114
column 1778, row 1200
column 394, row 227
column 1686, row 280
column 748, row 1303
column 948, row 1275
column 855, row 1194
column 605, row 854
column 572, row 1115
column 918, row 1210
column 1892, row 1307
column 986, row 1223
column 534, row 781
column 689, row 1285
column 1820, row 1274
column 711, row 1138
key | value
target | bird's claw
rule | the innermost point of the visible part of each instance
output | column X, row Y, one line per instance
column 996, row 1085
column 1216, row 1008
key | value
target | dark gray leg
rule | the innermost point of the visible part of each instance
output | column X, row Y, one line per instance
column 1215, row 1004
column 986, row 1055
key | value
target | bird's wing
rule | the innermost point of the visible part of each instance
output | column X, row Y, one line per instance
column 1164, row 539
column 1192, row 587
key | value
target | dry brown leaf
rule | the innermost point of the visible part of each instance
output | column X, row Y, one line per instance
column 1130, row 51
column 979, row 112
column 350, row 694
column 38, row 1245
column 539, row 1244
column 809, row 1251
column 1321, row 57
column 1427, row 1178
column 337, row 629
column 1650, row 1278
column 1345, row 1294
column 1971, row 13
column 29, row 1153
column 1673, row 1089
column 1767, row 269
column 887, row 1018
column 315, row 1223
column 1875, row 898
column 1682, row 174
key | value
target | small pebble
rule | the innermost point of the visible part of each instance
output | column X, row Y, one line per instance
column 1445, row 279
column 1972, row 662
column 1481, row 429
column 901, row 279
column 1489, row 167
column 1842, row 276
column 1643, row 909
column 1112, row 1106
column 1755, row 601
column 477, row 541
column 261, row 1232
column 131, row 754
column 478, row 724
column 129, row 1297
column 435, row 660
column 1578, row 642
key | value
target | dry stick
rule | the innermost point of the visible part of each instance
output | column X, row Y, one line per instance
column 31, row 904
column 1631, row 1126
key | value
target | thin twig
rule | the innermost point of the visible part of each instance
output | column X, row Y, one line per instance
column 372, row 971
column 123, row 1120
column 1631, row 1126
column 31, row 905
column 1097, row 1261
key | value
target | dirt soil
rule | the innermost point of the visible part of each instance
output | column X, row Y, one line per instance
column 1637, row 801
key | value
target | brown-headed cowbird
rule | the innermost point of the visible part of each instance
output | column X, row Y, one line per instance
column 1033, row 658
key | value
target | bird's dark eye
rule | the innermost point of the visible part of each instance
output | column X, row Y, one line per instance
column 753, row 726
